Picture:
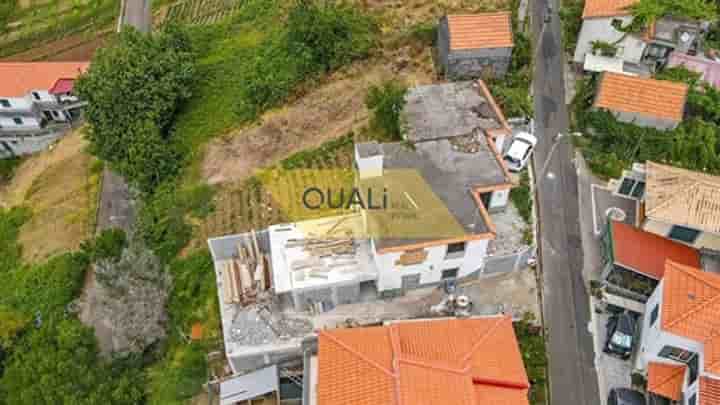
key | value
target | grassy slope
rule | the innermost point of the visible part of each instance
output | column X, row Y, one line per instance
column 225, row 53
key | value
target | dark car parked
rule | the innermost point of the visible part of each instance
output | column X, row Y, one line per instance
column 621, row 335
column 625, row 396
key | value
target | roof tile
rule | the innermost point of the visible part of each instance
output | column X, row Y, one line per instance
column 640, row 95
column 470, row 361
column 691, row 308
column 666, row 379
column 647, row 252
column 19, row 78
column 474, row 31
column 607, row 8
column 709, row 391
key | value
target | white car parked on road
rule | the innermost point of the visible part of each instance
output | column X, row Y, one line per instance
column 518, row 154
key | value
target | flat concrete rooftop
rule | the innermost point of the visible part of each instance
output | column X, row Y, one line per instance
column 446, row 110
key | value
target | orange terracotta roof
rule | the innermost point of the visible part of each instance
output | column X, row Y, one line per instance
column 607, row 8
column 640, row 95
column 474, row 31
column 666, row 379
column 450, row 361
column 19, row 78
column 709, row 391
column 646, row 252
column 691, row 308
column 712, row 355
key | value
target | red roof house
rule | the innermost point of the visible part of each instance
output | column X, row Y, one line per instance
column 447, row 361
column 20, row 78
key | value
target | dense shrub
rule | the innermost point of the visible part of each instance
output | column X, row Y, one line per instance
column 162, row 219
column 108, row 245
column 324, row 35
column 386, row 102
column 571, row 19
column 58, row 363
column 10, row 250
column 522, row 198
column 133, row 89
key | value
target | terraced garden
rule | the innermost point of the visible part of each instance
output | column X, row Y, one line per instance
column 251, row 204
column 200, row 12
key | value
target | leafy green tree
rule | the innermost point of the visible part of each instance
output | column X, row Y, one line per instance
column 134, row 89
column 386, row 102
column 327, row 34
column 161, row 222
column 647, row 11
column 704, row 102
column 571, row 18
column 10, row 250
column 679, row 74
column 58, row 364
column 11, row 323
column 45, row 289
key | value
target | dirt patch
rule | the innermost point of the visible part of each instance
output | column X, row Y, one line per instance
column 77, row 47
column 70, row 146
column 60, row 188
column 333, row 110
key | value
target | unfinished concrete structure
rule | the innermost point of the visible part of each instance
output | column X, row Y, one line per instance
column 478, row 45
column 446, row 186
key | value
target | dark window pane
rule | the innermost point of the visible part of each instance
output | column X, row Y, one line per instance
column 456, row 247
column 683, row 234
column 626, row 186
column 450, row 273
column 654, row 315
column 639, row 190
column 693, row 366
column 693, row 400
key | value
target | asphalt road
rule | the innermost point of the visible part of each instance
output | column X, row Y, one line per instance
column 137, row 13
column 573, row 380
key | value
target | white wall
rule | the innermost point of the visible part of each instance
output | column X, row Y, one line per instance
column 44, row 96
column 597, row 29
column 631, row 49
column 28, row 123
column 30, row 144
column 17, row 103
column 371, row 166
column 499, row 199
column 390, row 275
column 654, row 338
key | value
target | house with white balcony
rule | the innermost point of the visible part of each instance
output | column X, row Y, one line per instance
column 439, row 213
column 680, row 341
column 37, row 104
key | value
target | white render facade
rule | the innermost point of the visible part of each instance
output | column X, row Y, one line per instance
column 438, row 266
column 31, row 123
column 656, row 343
